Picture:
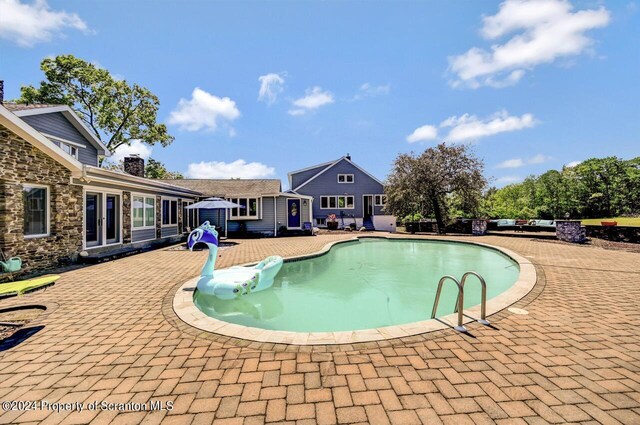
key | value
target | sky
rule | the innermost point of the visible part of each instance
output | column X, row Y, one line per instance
column 259, row 89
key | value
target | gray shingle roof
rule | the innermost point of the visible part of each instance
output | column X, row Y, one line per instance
column 229, row 187
column 12, row 106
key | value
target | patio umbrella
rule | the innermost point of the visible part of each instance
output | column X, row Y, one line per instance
column 215, row 204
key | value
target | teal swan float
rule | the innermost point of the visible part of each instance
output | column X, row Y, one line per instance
column 236, row 281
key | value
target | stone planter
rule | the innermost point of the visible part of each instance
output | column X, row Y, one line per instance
column 332, row 225
column 479, row 227
column 570, row 231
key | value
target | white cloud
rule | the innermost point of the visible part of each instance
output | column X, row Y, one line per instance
column 508, row 180
column 271, row 85
column 542, row 32
column 420, row 134
column 28, row 24
column 136, row 147
column 313, row 99
column 512, row 163
column 203, row 111
column 573, row 164
column 519, row 162
column 227, row 170
column 370, row 90
column 469, row 127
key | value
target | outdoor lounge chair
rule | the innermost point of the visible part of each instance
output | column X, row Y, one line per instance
column 21, row 287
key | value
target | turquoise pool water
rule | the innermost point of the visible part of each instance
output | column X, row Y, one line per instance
column 366, row 284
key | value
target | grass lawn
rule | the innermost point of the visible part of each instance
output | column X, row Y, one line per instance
column 622, row 221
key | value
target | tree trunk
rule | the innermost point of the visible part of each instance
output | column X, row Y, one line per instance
column 436, row 209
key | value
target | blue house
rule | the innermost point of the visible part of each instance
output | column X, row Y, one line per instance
column 343, row 188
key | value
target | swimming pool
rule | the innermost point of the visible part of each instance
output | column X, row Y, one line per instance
column 365, row 284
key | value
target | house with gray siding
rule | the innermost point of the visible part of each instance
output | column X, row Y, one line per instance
column 57, row 204
column 268, row 211
column 345, row 189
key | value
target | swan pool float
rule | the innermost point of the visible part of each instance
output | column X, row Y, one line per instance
column 234, row 282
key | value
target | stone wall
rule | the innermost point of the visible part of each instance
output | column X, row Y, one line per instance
column 570, row 231
column 126, row 217
column 22, row 163
column 479, row 227
column 158, row 216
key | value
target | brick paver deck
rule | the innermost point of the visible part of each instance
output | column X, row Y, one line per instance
column 109, row 336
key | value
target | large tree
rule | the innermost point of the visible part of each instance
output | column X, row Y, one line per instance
column 114, row 110
column 157, row 170
column 431, row 182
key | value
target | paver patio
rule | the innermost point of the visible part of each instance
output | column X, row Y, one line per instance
column 110, row 334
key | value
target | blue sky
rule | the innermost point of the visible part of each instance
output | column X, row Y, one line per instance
column 532, row 85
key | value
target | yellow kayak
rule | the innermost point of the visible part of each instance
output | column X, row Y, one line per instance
column 24, row 286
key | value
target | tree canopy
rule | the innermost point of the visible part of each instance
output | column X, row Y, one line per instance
column 114, row 110
column 157, row 170
column 595, row 188
column 440, row 181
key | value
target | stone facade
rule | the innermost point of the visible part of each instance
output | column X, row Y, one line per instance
column 158, row 217
column 570, row 231
column 126, row 217
column 20, row 163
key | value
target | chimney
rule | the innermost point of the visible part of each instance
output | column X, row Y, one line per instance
column 134, row 165
column 348, row 157
column 1, row 92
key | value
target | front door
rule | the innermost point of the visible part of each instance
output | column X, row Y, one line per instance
column 293, row 213
column 93, row 218
column 367, row 207
column 112, row 218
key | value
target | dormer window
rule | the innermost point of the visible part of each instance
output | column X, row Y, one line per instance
column 71, row 150
column 345, row 178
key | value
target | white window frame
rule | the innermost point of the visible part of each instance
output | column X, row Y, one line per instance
column 103, row 192
column 185, row 213
column 170, row 199
column 144, row 197
column 71, row 149
column 336, row 203
column 236, row 200
column 346, row 178
column 47, row 210
column 377, row 198
column 321, row 221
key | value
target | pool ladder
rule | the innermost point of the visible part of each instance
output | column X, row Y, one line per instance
column 460, row 301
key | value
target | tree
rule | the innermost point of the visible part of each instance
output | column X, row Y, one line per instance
column 431, row 183
column 115, row 111
column 157, row 170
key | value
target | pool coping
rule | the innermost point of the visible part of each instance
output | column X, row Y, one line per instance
column 186, row 310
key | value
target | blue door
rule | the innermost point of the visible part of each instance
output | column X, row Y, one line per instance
column 293, row 213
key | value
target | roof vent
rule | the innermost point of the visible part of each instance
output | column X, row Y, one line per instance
column 348, row 157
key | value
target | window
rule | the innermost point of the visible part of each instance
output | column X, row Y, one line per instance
column 250, row 210
column 189, row 216
column 169, row 212
column 321, row 221
column 337, row 201
column 71, row 150
column 345, row 178
column 36, row 210
column 380, row 200
column 144, row 211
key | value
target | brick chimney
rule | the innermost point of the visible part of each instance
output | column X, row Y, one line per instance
column 134, row 165
column 1, row 92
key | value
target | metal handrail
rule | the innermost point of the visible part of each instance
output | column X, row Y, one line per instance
column 483, row 301
column 459, row 327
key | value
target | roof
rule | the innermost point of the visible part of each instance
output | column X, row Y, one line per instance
column 229, row 187
column 24, row 110
column 104, row 175
column 35, row 138
column 12, row 106
column 327, row 166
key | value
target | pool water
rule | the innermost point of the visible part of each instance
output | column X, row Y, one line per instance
column 366, row 284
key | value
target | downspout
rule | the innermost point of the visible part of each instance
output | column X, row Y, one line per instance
column 275, row 216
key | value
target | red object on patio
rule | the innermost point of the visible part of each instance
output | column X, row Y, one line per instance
column 609, row 223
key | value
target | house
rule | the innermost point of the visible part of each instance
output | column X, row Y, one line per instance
column 56, row 204
column 267, row 210
column 345, row 189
